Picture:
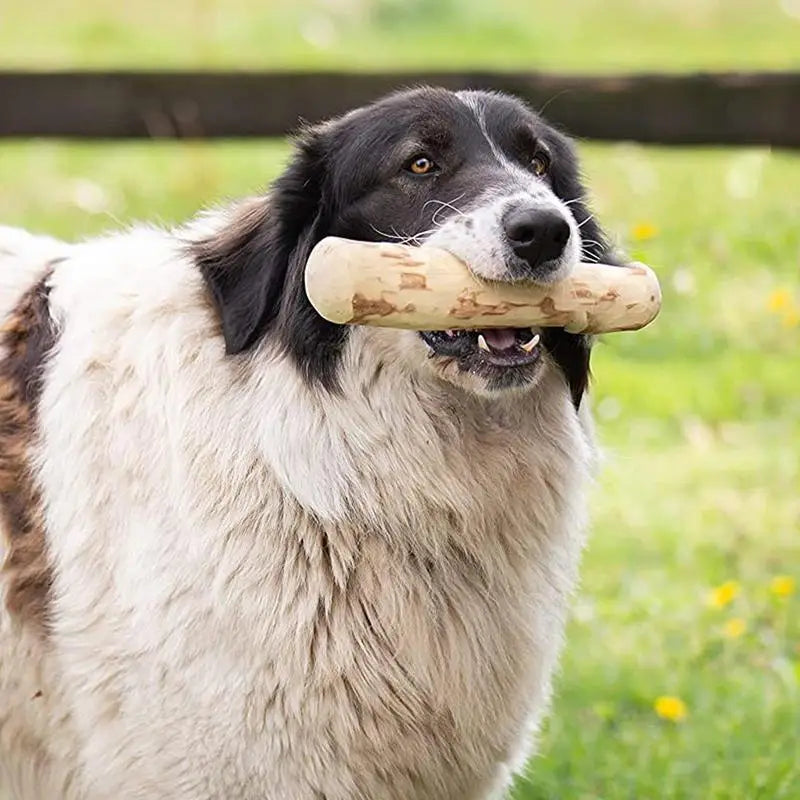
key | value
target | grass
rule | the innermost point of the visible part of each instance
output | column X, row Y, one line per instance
column 590, row 35
column 699, row 414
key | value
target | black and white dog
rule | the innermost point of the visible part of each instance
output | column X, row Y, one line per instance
column 250, row 554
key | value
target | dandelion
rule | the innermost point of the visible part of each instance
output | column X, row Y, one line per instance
column 643, row 231
column 782, row 585
column 790, row 318
column 779, row 300
column 671, row 708
column 724, row 594
column 734, row 628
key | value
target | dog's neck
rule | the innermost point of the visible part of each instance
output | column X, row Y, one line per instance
column 391, row 453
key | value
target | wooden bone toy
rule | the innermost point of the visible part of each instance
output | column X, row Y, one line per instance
column 424, row 288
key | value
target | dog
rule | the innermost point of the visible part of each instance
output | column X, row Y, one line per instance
column 253, row 554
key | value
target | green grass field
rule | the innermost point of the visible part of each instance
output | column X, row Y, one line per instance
column 699, row 414
column 590, row 35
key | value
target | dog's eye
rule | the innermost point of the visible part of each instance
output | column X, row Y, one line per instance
column 540, row 164
column 421, row 165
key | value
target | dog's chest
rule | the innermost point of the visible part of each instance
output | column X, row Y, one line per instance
column 246, row 649
column 319, row 673
column 385, row 674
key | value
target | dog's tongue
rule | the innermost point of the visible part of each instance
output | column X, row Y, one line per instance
column 500, row 338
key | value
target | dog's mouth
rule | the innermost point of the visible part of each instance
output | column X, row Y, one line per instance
column 498, row 347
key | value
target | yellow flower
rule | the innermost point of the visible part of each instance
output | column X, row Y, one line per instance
column 782, row 585
column 779, row 300
column 643, row 231
column 671, row 708
column 790, row 318
column 734, row 628
column 724, row 594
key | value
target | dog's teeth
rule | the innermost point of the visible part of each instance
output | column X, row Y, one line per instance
column 528, row 346
column 482, row 343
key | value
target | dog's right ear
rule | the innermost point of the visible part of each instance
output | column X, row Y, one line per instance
column 246, row 262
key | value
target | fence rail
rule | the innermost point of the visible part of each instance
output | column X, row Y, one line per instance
column 760, row 108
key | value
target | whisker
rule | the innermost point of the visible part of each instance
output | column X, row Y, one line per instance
column 400, row 238
column 418, row 237
column 455, row 200
column 403, row 238
column 443, row 204
column 433, row 216
column 591, row 216
column 385, row 235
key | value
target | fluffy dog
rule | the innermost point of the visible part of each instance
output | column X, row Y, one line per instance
column 252, row 555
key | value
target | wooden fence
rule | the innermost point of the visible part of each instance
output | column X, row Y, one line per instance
column 708, row 108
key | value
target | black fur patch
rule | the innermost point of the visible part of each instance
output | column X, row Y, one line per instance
column 255, row 270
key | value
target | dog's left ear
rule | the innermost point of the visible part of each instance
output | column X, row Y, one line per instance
column 245, row 264
column 572, row 352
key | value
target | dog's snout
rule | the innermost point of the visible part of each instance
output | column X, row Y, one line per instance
column 536, row 235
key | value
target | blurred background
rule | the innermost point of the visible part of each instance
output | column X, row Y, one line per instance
column 681, row 677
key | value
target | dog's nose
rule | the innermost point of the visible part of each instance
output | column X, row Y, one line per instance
column 537, row 236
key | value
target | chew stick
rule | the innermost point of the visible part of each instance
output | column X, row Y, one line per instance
column 424, row 288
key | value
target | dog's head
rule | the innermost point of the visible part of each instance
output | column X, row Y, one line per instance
column 478, row 174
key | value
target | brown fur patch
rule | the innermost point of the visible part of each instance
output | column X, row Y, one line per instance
column 27, row 337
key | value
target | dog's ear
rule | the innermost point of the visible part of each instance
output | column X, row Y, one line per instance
column 572, row 352
column 245, row 264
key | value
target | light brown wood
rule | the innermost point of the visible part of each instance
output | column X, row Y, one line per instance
column 423, row 288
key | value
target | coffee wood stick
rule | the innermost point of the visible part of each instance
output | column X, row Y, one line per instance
column 424, row 288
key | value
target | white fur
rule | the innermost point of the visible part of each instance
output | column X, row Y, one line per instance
column 23, row 258
column 267, row 592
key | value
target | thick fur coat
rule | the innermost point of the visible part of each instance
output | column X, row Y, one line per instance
column 250, row 557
